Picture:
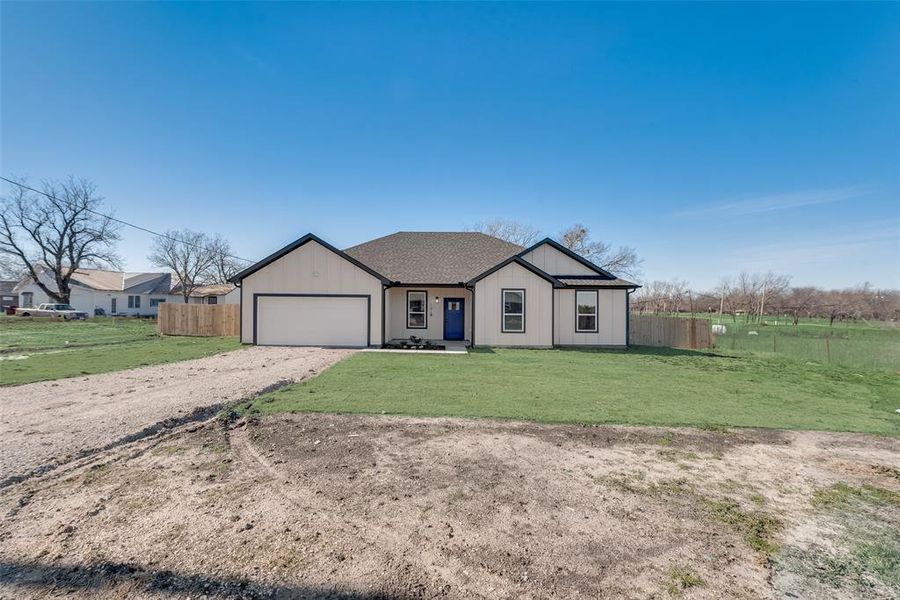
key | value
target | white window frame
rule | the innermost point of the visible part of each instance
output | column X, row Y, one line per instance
column 134, row 301
column 423, row 312
column 504, row 314
column 155, row 302
column 212, row 300
column 27, row 299
column 595, row 314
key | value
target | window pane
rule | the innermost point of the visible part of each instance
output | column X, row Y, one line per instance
column 416, row 320
column 512, row 302
column 417, row 301
column 587, row 303
column 512, row 322
column 587, row 322
column 137, row 301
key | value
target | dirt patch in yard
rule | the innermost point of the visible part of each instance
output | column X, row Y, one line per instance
column 43, row 425
column 313, row 506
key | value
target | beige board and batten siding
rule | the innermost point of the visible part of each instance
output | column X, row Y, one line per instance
column 489, row 308
column 550, row 260
column 311, row 269
column 611, row 316
column 396, row 320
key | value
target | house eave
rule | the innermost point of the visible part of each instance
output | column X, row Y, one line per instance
column 309, row 237
column 516, row 258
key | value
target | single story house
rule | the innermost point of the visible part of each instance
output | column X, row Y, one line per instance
column 226, row 293
column 440, row 286
column 115, row 292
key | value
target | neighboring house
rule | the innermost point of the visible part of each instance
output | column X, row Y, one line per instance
column 225, row 293
column 115, row 292
column 438, row 286
column 7, row 295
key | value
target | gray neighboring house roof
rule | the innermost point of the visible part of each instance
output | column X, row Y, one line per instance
column 6, row 287
column 102, row 280
column 422, row 257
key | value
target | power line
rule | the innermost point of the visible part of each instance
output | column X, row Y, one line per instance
column 112, row 218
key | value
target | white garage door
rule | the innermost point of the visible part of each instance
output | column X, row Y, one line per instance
column 311, row 321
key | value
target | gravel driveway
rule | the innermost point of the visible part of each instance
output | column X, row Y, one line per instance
column 45, row 424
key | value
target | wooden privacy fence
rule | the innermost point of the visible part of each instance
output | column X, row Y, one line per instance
column 205, row 320
column 676, row 332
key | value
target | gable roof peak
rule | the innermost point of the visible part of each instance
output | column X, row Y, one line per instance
column 570, row 253
column 309, row 237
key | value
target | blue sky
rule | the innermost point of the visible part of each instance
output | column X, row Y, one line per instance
column 711, row 137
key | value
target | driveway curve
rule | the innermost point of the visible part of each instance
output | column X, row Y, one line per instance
column 46, row 424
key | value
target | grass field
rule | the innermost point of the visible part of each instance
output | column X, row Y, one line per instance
column 650, row 386
column 856, row 344
column 40, row 350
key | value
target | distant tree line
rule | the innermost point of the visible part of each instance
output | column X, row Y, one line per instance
column 750, row 296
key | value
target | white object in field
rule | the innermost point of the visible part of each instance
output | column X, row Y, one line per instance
column 716, row 328
column 752, row 333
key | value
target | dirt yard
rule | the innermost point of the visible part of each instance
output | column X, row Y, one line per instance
column 49, row 423
column 330, row 506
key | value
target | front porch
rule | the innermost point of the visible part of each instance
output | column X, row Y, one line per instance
column 439, row 315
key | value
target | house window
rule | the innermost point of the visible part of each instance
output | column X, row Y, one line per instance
column 586, row 311
column 156, row 302
column 513, row 311
column 134, row 301
column 27, row 299
column 416, row 305
column 112, row 306
column 212, row 300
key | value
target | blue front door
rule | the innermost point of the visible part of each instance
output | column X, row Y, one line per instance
column 454, row 309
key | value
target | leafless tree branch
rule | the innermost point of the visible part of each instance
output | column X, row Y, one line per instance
column 58, row 233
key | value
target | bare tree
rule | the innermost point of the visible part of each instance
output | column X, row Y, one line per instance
column 190, row 255
column 225, row 264
column 621, row 261
column 511, row 231
column 11, row 268
column 664, row 297
column 798, row 302
column 58, row 232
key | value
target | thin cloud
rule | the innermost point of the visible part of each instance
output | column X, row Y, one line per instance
column 776, row 202
column 873, row 242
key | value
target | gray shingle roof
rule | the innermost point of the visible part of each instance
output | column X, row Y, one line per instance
column 615, row 282
column 433, row 257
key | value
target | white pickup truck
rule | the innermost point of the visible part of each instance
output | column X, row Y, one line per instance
column 56, row 311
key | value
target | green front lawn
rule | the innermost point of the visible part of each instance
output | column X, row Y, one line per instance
column 647, row 386
column 40, row 350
